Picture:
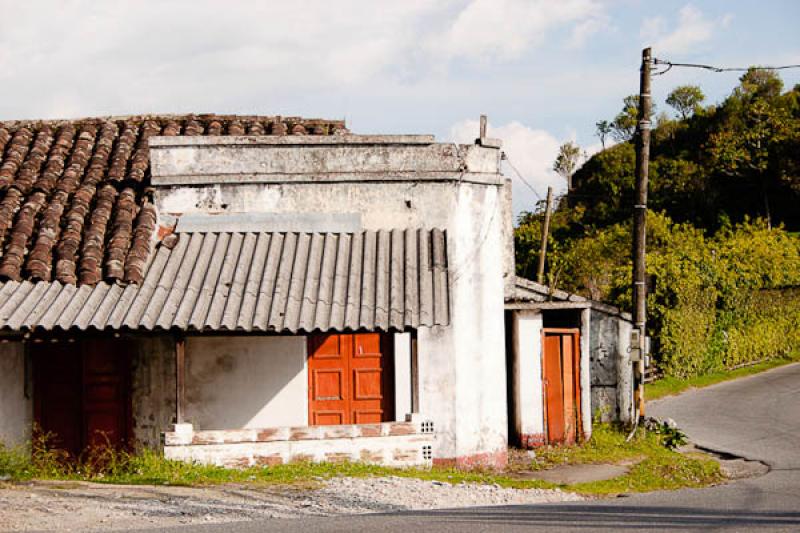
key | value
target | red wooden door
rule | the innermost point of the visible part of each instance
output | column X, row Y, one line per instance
column 561, row 383
column 57, row 398
column 106, row 369
column 350, row 379
column 82, row 393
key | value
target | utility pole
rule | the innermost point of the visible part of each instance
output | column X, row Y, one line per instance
column 639, row 228
column 545, row 233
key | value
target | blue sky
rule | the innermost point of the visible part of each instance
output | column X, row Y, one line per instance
column 544, row 71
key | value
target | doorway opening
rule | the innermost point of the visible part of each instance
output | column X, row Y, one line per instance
column 561, row 384
column 350, row 379
column 82, row 394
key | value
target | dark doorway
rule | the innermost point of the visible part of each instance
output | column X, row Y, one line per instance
column 82, row 393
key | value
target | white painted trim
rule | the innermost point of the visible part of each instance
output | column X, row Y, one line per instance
column 585, row 374
column 402, row 375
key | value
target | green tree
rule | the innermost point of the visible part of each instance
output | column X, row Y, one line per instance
column 623, row 127
column 566, row 163
column 603, row 131
column 686, row 100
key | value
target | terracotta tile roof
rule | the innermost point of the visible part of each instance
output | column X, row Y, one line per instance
column 75, row 198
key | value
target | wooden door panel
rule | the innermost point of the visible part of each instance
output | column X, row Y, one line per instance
column 106, row 369
column 82, row 393
column 561, row 376
column 567, row 362
column 328, row 418
column 368, row 416
column 349, row 379
column 368, row 384
column 554, row 389
column 328, row 385
column 57, row 398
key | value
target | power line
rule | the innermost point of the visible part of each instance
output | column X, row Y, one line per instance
column 505, row 156
column 713, row 68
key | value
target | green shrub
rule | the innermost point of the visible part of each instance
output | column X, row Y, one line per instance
column 714, row 302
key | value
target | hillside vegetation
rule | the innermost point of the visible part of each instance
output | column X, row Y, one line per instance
column 723, row 247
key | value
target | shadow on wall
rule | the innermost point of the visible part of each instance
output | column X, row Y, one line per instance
column 246, row 382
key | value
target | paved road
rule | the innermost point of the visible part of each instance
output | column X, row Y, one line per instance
column 756, row 417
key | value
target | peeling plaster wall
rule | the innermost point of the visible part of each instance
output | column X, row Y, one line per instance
column 462, row 379
column 611, row 371
column 246, row 381
column 153, row 389
column 16, row 411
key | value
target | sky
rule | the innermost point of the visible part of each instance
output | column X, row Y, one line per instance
column 543, row 71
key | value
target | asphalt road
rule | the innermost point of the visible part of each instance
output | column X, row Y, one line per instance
column 756, row 417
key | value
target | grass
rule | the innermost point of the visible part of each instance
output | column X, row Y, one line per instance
column 148, row 467
column 657, row 468
column 669, row 386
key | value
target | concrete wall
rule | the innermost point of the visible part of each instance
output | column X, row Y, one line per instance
column 153, row 388
column 16, row 409
column 237, row 382
column 392, row 443
column 611, row 370
column 390, row 184
column 526, row 378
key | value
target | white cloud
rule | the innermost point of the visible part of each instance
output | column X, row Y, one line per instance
column 589, row 27
column 693, row 29
column 531, row 151
column 504, row 29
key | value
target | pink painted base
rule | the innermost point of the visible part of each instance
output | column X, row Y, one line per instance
column 497, row 460
column 531, row 440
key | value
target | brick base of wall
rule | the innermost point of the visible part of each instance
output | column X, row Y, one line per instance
column 390, row 443
column 496, row 460
column 531, row 440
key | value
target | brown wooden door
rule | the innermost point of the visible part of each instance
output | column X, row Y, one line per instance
column 561, row 383
column 106, row 369
column 82, row 393
column 350, row 379
column 57, row 397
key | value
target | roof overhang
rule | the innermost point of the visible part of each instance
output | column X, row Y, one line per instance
column 269, row 282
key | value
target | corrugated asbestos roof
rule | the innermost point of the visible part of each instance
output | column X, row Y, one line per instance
column 280, row 282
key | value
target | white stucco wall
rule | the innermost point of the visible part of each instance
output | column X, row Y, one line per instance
column 246, row 382
column 402, row 375
column 585, row 373
column 527, row 376
column 16, row 411
column 462, row 367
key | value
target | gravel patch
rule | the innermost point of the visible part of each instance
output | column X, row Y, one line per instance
column 59, row 506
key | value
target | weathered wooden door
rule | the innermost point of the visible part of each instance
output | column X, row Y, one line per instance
column 82, row 393
column 561, row 381
column 57, row 394
column 106, row 369
column 350, row 379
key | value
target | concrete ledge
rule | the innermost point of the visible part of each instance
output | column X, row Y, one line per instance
column 389, row 443
column 293, row 140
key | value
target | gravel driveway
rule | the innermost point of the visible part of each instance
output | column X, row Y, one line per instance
column 78, row 506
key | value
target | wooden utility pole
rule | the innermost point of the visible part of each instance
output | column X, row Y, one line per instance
column 545, row 233
column 639, row 224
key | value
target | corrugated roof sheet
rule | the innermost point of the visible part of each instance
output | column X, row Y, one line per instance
column 278, row 281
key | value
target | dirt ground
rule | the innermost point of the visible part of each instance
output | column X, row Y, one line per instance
column 79, row 506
